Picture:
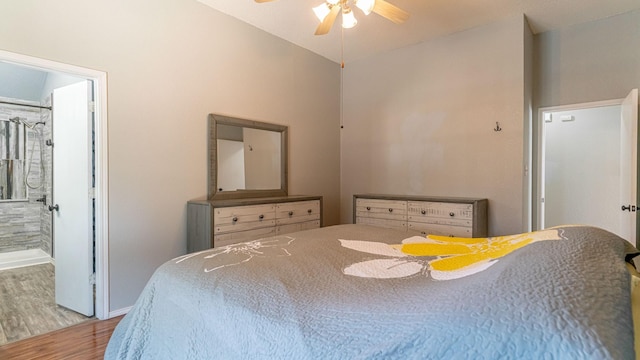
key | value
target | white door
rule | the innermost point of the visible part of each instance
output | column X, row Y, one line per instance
column 628, row 165
column 230, row 165
column 72, row 182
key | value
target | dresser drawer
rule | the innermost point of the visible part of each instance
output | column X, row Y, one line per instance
column 241, row 236
column 381, row 209
column 440, row 220
column 385, row 223
column 425, row 210
column 242, row 218
column 444, row 230
column 296, row 212
column 289, row 228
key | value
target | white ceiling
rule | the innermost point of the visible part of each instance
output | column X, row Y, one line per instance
column 294, row 21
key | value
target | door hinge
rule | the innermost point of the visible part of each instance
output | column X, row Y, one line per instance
column 92, row 279
column 92, row 106
column 92, row 193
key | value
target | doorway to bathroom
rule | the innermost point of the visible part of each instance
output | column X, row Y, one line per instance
column 53, row 172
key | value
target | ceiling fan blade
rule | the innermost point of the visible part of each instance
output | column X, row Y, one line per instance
column 390, row 12
column 328, row 21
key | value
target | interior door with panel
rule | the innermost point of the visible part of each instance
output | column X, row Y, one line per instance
column 72, row 185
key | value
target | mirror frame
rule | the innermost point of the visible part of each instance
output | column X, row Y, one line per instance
column 213, row 193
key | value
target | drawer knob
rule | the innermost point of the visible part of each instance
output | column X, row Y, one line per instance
column 309, row 211
column 423, row 212
column 261, row 217
column 452, row 214
column 290, row 213
column 368, row 208
column 235, row 219
column 390, row 210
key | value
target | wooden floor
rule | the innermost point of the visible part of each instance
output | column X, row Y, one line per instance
column 27, row 304
column 85, row 341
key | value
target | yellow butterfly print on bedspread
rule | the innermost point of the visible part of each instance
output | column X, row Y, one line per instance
column 445, row 258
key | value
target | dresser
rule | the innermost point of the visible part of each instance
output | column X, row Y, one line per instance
column 449, row 216
column 214, row 223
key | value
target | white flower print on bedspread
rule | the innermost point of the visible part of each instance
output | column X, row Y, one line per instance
column 236, row 254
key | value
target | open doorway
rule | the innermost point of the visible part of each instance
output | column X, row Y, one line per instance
column 587, row 165
column 36, row 137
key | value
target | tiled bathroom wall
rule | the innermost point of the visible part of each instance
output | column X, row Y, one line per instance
column 26, row 224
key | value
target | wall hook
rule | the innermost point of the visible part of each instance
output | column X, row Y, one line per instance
column 497, row 128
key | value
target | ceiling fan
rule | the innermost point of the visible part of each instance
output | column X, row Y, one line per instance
column 328, row 11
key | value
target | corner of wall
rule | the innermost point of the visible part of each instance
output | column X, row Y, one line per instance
column 527, row 184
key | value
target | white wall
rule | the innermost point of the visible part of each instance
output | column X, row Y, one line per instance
column 582, row 168
column 420, row 120
column 230, row 163
column 21, row 83
column 55, row 81
column 169, row 64
column 262, row 159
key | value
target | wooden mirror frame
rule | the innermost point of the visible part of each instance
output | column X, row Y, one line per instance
column 213, row 193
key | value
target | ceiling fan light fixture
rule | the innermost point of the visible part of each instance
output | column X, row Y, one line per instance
column 322, row 10
column 366, row 5
column 348, row 19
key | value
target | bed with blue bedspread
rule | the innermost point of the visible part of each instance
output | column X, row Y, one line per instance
column 360, row 292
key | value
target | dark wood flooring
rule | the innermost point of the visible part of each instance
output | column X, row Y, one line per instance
column 85, row 341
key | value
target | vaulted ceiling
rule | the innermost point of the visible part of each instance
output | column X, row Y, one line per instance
column 294, row 21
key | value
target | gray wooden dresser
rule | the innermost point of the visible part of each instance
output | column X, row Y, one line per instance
column 214, row 223
column 449, row 216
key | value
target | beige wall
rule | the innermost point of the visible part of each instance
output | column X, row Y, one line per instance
column 420, row 120
column 594, row 61
column 168, row 66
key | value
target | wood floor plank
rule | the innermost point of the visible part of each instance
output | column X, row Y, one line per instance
column 27, row 304
column 85, row 341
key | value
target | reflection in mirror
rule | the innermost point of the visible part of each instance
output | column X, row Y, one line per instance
column 246, row 158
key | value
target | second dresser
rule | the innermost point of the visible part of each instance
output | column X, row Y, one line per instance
column 448, row 216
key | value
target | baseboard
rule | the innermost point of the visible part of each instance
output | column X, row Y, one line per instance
column 119, row 312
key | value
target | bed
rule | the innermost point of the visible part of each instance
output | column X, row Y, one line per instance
column 360, row 292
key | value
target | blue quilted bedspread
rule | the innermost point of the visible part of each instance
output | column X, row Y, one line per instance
column 358, row 292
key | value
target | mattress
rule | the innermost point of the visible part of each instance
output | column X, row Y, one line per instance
column 360, row 292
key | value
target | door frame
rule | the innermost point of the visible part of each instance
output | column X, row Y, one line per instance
column 101, row 169
column 540, row 146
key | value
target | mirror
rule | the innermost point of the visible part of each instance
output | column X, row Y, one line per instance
column 247, row 158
